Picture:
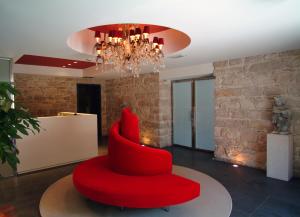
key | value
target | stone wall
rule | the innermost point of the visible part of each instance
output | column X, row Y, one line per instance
column 165, row 113
column 244, row 95
column 148, row 97
column 47, row 95
column 142, row 95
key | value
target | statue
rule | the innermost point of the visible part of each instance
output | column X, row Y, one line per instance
column 281, row 116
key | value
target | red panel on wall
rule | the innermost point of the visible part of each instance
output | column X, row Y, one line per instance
column 53, row 62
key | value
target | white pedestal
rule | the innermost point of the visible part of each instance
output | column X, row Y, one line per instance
column 280, row 156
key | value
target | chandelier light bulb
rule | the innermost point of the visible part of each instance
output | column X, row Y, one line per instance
column 119, row 36
column 146, row 32
column 138, row 33
column 97, row 36
column 155, row 41
column 110, row 36
column 160, row 43
column 98, row 51
column 114, row 36
column 132, row 34
column 145, row 35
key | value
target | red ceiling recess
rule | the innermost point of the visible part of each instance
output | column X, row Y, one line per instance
column 53, row 62
column 107, row 28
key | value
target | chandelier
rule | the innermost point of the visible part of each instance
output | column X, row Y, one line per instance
column 128, row 48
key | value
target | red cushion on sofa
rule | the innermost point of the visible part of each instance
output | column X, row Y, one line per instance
column 130, row 126
column 95, row 180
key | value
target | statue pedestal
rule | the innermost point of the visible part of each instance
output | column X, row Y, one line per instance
column 280, row 156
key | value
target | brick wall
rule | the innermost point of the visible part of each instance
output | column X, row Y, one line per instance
column 47, row 95
column 244, row 95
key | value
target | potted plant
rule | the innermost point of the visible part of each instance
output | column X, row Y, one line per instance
column 15, row 122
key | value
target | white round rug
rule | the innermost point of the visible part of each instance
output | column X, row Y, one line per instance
column 62, row 200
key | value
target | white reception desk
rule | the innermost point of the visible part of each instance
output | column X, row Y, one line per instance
column 63, row 139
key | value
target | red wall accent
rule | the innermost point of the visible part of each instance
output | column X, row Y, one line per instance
column 107, row 28
column 53, row 62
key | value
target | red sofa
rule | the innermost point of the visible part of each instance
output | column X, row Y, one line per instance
column 132, row 175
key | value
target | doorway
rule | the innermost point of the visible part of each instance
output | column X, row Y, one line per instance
column 89, row 101
column 193, row 113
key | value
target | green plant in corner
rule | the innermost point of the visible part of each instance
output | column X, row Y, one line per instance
column 14, row 123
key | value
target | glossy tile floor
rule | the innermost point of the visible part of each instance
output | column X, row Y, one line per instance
column 252, row 193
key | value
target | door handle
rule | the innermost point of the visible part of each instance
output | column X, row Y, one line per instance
column 193, row 116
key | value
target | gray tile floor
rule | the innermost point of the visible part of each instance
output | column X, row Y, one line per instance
column 253, row 194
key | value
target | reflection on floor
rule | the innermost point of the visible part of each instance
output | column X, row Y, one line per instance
column 252, row 193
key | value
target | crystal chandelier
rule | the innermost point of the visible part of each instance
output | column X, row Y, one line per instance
column 127, row 49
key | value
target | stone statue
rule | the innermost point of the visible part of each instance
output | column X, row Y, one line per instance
column 281, row 116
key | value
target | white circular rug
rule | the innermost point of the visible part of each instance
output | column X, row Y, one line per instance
column 62, row 200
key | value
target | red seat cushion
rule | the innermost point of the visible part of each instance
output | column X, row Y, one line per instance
column 95, row 180
column 130, row 158
column 130, row 126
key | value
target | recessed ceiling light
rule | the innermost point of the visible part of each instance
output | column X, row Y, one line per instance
column 69, row 64
column 235, row 165
column 75, row 62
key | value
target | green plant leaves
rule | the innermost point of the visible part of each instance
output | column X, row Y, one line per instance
column 14, row 123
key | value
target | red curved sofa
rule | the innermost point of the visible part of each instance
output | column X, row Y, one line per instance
column 132, row 175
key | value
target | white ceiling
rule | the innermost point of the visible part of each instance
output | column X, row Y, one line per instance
column 218, row 29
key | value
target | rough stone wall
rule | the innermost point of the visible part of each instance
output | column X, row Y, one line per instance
column 244, row 95
column 165, row 113
column 47, row 95
column 148, row 97
column 142, row 95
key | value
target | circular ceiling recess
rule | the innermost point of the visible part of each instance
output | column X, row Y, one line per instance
column 84, row 40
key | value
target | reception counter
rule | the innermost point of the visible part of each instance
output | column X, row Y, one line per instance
column 63, row 139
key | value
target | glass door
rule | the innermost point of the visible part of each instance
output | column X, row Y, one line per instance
column 204, row 114
column 182, row 113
